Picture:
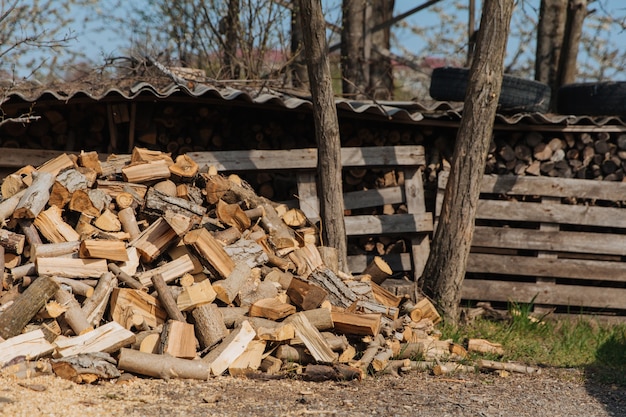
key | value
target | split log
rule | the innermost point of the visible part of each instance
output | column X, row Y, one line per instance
column 51, row 225
column 72, row 268
column 184, row 168
column 11, row 241
column 97, row 304
column 209, row 325
column 154, row 240
column 113, row 250
column 222, row 356
column 108, row 221
column 86, row 368
column 31, row 345
column 30, row 232
column 196, row 295
column 162, row 366
column 320, row 318
column 270, row 365
column 249, row 360
column 313, row 340
column 26, row 305
column 271, row 308
column 158, row 203
column 52, row 250
column 7, row 206
column 107, row 338
column 356, row 324
column 232, row 215
column 178, row 340
column 210, row 252
column 35, row 197
column 146, row 172
column 227, row 289
column 135, row 308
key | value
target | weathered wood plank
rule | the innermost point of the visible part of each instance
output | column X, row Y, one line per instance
column 542, row 293
column 251, row 160
column 389, row 224
column 548, row 186
column 547, row 267
column 558, row 241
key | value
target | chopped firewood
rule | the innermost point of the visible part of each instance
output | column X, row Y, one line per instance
column 384, row 296
column 270, row 365
column 146, row 171
column 320, row 318
column 196, row 295
column 357, row 324
column 27, row 369
column 210, row 327
column 250, row 359
column 313, row 340
column 184, row 168
column 51, row 250
column 90, row 160
column 103, row 249
column 97, row 304
column 17, row 315
column 77, row 287
column 72, row 267
column 35, row 197
column 378, row 269
column 51, row 225
column 107, row 338
column 484, row 346
column 232, row 215
column 108, row 221
column 271, row 308
column 178, row 340
column 31, row 345
column 227, row 289
column 452, row 368
column 135, row 308
column 210, row 251
column 230, row 348
column 169, row 271
column 154, row 240
column 428, row 310
column 295, row 218
column 336, row 372
column 12, row 242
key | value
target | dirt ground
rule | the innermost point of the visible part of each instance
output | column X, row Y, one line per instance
column 556, row 392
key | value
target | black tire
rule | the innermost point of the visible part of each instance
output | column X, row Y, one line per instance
column 594, row 99
column 517, row 95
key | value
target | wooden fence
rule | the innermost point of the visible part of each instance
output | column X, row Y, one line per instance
column 559, row 243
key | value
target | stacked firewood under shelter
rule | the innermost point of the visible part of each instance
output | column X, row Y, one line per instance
column 144, row 264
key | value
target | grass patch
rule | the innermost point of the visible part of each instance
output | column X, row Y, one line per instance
column 573, row 342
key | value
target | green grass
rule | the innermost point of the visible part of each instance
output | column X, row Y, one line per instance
column 572, row 342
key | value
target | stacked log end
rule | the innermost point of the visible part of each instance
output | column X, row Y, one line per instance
column 117, row 265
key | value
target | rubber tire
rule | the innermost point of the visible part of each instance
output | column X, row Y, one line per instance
column 517, row 94
column 592, row 99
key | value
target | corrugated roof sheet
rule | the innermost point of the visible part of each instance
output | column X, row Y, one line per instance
column 401, row 111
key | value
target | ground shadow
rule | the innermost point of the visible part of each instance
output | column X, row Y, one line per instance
column 605, row 379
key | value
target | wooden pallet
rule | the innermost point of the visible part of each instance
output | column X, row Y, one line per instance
column 415, row 225
column 559, row 243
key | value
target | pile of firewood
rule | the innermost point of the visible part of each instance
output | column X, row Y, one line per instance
column 154, row 266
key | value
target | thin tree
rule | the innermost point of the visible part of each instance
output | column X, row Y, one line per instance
column 326, row 129
column 446, row 266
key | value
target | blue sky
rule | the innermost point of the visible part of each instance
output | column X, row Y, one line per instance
column 113, row 42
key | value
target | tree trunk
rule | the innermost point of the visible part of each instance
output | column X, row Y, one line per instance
column 353, row 63
column 576, row 12
column 549, row 41
column 231, row 40
column 381, row 72
column 299, row 76
column 326, row 129
column 445, row 269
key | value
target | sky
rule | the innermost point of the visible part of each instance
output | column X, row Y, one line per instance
column 113, row 42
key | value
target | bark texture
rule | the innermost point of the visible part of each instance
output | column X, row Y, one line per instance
column 326, row 129
column 446, row 265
